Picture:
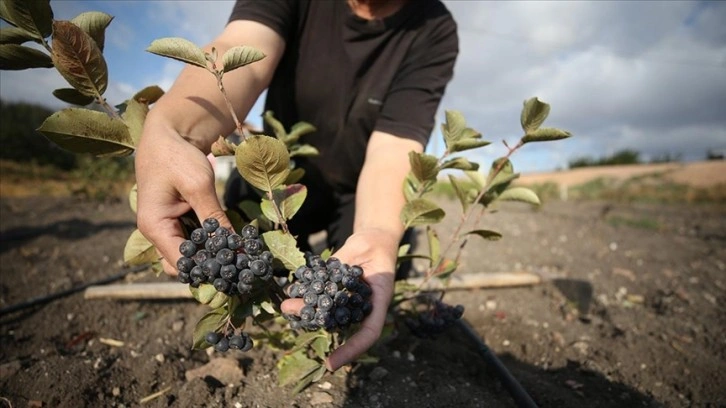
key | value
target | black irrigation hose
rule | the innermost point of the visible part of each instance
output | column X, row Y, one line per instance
column 53, row 296
column 515, row 389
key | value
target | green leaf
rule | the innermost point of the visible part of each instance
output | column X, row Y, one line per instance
column 533, row 114
column 467, row 144
column 454, row 125
column 263, row 162
column 133, row 197
column 434, row 245
column 421, row 212
column 78, row 59
column 500, row 172
column 94, row 23
column 460, row 193
column 477, row 178
column 411, row 187
column 179, row 49
column 314, row 376
column 15, row 35
column 238, row 311
column 14, row 57
column 149, row 95
column 303, row 150
column 486, row 234
column 284, row 247
column 240, row 56
column 298, row 130
column 321, row 346
column 235, row 219
column 276, row 125
column 403, row 249
column 519, row 194
column 294, row 176
column 251, row 209
column 457, row 136
column 86, row 131
column 288, row 199
column 139, row 250
column 294, row 367
column 72, row 96
column 326, row 254
column 34, row 16
column 204, row 293
column 445, row 268
column 423, row 166
column 210, row 322
column 219, row 300
column 134, row 117
column 460, row 163
column 545, row 135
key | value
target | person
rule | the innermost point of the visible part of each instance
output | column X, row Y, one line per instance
column 368, row 74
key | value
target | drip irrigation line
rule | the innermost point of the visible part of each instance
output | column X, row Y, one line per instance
column 53, row 296
column 515, row 389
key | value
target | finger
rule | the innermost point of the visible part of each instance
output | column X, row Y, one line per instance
column 292, row 306
column 166, row 235
column 368, row 334
column 202, row 197
column 169, row 268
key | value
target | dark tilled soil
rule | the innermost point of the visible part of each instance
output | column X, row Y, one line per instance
column 630, row 314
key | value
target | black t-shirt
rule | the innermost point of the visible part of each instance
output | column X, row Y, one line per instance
column 349, row 76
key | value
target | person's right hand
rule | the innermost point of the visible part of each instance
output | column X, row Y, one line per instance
column 172, row 176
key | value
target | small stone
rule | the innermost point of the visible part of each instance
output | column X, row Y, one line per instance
column 378, row 374
column 177, row 326
column 396, row 354
column 506, row 343
column 226, row 370
column 320, row 397
column 326, row 385
column 491, row 304
column 613, row 246
column 410, row 357
column 159, row 357
column 7, row 370
column 116, row 391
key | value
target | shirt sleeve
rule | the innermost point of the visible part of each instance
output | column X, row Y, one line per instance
column 279, row 15
column 411, row 103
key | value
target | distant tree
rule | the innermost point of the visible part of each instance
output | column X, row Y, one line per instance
column 20, row 142
column 620, row 157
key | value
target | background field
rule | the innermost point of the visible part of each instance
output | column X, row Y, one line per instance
column 630, row 312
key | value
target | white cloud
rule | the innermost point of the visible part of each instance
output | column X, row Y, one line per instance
column 647, row 76
column 198, row 21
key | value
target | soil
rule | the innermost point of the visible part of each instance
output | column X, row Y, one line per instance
column 630, row 314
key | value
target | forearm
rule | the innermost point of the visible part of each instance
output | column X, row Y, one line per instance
column 194, row 106
column 379, row 195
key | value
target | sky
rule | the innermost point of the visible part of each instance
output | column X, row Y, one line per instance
column 646, row 76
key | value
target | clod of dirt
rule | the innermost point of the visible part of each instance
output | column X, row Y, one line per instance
column 225, row 370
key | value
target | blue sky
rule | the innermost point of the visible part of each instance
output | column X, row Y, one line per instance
column 648, row 76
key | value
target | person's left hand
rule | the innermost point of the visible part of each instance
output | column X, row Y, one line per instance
column 376, row 252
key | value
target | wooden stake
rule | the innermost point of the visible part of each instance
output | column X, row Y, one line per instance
column 173, row 290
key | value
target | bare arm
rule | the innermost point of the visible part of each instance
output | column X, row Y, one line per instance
column 173, row 174
column 376, row 235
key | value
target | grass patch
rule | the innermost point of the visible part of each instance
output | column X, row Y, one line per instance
column 640, row 223
column 94, row 178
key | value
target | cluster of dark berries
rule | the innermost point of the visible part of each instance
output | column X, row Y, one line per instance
column 222, row 343
column 335, row 296
column 435, row 321
column 231, row 262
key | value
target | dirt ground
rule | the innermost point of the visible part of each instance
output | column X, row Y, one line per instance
column 630, row 314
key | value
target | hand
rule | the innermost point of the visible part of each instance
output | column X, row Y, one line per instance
column 376, row 252
column 172, row 176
